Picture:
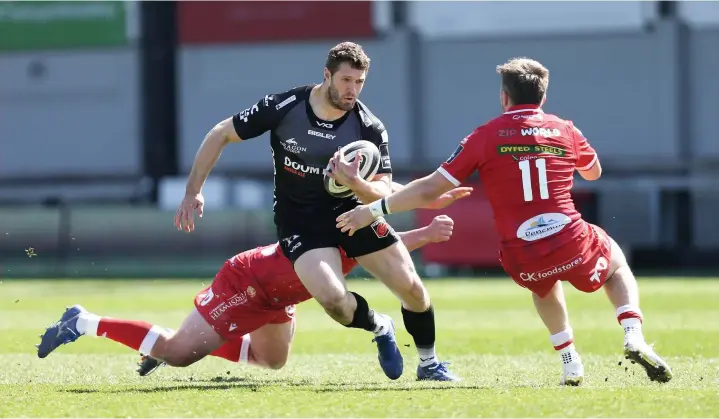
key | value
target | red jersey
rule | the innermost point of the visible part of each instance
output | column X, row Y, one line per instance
column 526, row 161
column 275, row 274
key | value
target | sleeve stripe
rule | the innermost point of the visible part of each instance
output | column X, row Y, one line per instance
column 449, row 177
column 589, row 166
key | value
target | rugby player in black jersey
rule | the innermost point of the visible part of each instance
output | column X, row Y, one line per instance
column 307, row 125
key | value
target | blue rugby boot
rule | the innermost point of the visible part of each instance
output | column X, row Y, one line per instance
column 436, row 372
column 62, row 332
column 390, row 359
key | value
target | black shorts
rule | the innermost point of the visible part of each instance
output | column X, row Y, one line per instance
column 299, row 235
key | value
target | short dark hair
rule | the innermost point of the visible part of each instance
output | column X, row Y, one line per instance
column 347, row 52
column 524, row 80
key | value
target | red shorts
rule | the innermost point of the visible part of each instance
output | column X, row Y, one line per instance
column 583, row 263
column 235, row 305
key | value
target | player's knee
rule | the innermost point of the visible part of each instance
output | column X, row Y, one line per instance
column 415, row 297
column 332, row 300
column 336, row 304
column 275, row 363
column 412, row 291
column 422, row 294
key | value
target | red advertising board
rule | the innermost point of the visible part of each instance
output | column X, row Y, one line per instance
column 474, row 240
column 216, row 22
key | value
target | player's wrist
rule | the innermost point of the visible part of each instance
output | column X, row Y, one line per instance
column 379, row 208
column 193, row 191
column 425, row 235
column 358, row 185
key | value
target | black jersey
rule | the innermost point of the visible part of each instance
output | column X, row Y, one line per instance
column 302, row 145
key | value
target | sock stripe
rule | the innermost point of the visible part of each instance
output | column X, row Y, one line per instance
column 563, row 345
column 245, row 348
column 150, row 339
column 562, row 339
column 628, row 308
column 628, row 311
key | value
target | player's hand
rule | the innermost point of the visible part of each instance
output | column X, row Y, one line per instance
column 344, row 172
column 440, row 230
column 353, row 220
column 449, row 198
column 185, row 215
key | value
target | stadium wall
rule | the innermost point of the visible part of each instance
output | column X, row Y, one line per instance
column 639, row 85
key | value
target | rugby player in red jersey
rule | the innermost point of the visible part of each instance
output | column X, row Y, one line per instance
column 246, row 315
column 526, row 160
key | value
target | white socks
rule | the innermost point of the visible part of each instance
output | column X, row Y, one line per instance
column 87, row 324
column 384, row 324
column 630, row 317
column 427, row 356
column 563, row 343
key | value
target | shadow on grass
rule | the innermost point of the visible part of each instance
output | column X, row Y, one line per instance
column 254, row 385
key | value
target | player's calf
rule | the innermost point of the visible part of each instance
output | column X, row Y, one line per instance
column 267, row 347
column 194, row 340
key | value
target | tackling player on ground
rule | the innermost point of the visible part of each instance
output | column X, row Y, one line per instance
column 246, row 315
column 526, row 160
column 307, row 125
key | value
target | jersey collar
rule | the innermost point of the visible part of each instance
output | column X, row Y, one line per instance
column 524, row 108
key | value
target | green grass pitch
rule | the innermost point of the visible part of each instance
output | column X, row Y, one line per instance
column 486, row 328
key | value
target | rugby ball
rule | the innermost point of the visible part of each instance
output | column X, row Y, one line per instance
column 368, row 166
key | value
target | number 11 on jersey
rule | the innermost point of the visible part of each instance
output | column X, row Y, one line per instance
column 526, row 169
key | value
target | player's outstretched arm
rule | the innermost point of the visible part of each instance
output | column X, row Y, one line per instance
column 444, row 200
column 254, row 121
column 215, row 141
column 418, row 193
column 210, row 149
column 439, row 230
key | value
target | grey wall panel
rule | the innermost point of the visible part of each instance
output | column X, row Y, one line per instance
column 703, row 94
column 704, row 217
column 614, row 87
column 456, row 19
column 69, row 113
column 217, row 81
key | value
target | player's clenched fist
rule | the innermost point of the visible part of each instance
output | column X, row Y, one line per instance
column 440, row 230
column 185, row 215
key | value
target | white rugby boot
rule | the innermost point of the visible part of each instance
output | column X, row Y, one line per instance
column 573, row 369
column 638, row 351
